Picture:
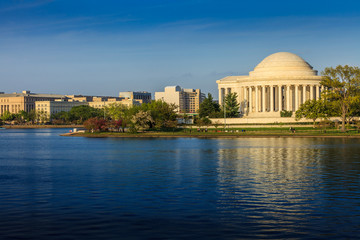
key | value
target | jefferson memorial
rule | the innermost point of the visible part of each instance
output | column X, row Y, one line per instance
column 282, row 81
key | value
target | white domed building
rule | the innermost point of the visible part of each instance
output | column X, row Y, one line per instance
column 282, row 81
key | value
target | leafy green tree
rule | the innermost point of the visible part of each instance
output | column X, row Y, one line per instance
column 116, row 111
column 208, row 108
column 231, row 105
column 206, row 121
column 84, row 112
column 31, row 116
column 7, row 116
column 285, row 113
column 61, row 117
column 342, row 90
column 121, row 113
column 161, row 113
column 21, row 117
column 216, row 124
column 141, row 121
column 312, row 109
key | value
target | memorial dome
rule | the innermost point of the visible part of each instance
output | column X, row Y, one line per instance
column 283, row 64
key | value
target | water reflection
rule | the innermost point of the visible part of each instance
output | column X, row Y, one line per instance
column 282, row 181
column 177, row 188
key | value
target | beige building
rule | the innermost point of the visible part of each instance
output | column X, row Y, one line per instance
column 187, row 100
column 145, row 97
column 101, row 102
column 282, row 81
column 80, row 98
column 25, row 101
column 56, row 106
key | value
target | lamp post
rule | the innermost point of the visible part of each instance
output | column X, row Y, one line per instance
column 224, row 106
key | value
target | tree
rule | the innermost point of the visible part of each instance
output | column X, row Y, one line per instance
column 141, row 121
column 216, row 124
column 60, row 117
column 231, row 105
column 7, row 116
column 21, row 116
column 116, row 111
column 115, row 125
column 84, row 112
column 95, row 124
column 161, row 113
column 342, row 89
column 312, row 109
column 206, row 121
column 208, row 107
column 120, row 113
column 31, row 116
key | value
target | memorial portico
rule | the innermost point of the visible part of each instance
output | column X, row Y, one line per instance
column 282, row 81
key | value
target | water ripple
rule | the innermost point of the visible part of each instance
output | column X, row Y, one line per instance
column 77, row 188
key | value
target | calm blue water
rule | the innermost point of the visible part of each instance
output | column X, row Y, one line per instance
column 54, row 187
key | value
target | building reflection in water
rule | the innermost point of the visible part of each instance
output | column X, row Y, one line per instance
column 269, row 181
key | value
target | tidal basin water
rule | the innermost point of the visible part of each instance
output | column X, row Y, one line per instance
column 54, row 187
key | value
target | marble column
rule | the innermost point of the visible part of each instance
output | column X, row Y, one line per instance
column 250, row 99
column 280, row 98
column 317, row 92
column 296, row 97
column 311, row 92
column 256, row 99
column 276, row 98
column 263, row 99
column 221, row 96
column 271, row 88
column 245, row 99
column 304, row 94
column 287, row 97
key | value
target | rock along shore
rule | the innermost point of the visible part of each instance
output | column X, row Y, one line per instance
column 169, row 135
column 40, row 126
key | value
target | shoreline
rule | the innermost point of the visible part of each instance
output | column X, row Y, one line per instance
column 141, row 135
column 40, row 126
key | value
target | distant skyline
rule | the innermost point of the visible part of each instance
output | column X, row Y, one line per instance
column 105, row 47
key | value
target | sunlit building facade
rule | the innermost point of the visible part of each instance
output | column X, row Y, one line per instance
column 25, row 101
column 186, row 100
column 282, row 81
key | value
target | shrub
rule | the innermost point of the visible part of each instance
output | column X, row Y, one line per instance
column 285, row 113
column 95, row 124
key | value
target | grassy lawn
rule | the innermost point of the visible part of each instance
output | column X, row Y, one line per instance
column 234, row 132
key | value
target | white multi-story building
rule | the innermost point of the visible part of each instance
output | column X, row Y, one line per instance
column 187, row 100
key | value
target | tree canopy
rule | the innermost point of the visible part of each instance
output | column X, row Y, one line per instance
column 342, row 90
column 312, row 109
column 163, row 114
column 209, row 108
column 83, row 113
column 231, row 105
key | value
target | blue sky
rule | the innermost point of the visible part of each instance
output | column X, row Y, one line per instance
column 104, row 47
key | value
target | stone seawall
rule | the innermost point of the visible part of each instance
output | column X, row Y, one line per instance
column 268, row 120
column 41, row 126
